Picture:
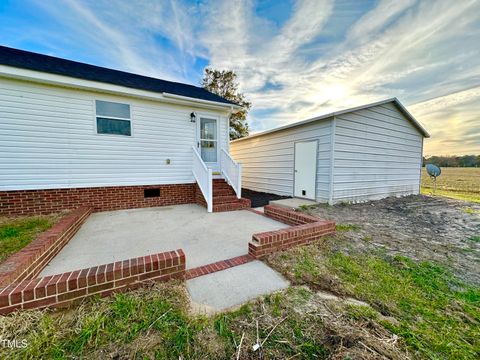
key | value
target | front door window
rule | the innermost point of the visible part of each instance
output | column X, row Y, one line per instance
column 208, row 139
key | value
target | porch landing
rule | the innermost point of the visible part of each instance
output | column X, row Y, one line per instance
column 206, row 238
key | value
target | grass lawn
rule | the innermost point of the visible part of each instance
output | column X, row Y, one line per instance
column 454, row 194
column 153, row 323
column 411, row 308
column 16, row 233
column 436, row 315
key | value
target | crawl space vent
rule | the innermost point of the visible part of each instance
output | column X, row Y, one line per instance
column 149, row 193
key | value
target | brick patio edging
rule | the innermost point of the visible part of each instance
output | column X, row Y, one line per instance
column 64, row 289
column 30, row 261
column 217, row 266
column 304, row 230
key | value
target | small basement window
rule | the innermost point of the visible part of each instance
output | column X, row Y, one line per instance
column 113, row 118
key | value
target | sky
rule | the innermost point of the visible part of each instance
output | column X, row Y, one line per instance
column 294, row 59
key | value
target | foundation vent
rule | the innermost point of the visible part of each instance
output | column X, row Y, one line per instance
column 150, row 193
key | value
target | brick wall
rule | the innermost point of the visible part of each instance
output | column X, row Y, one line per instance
column 29, row 262
column 288, row 216
column 304, row 230
column 199, row 198
column 31, row 202
column 64, row 289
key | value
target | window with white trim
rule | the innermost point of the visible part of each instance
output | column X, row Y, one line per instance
column 113, row 118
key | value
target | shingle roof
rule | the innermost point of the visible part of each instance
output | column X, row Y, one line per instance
column 53, row 65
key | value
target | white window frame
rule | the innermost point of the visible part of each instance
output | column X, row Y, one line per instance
column 112, row 117
column 218, row 141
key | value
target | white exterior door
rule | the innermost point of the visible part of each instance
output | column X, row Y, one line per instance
column 208, row 139
column 305, row 169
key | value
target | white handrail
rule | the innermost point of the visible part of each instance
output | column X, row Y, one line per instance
column 232, row 172
column 203, row 175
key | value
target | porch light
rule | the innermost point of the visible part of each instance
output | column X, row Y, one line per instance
column 193, row 117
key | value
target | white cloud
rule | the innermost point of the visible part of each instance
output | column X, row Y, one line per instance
column 374, row 21
column 408, row 49
column 124, row 35
column 453, row 121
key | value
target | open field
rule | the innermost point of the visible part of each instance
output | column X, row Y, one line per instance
column 458, row 183
column 399, row 280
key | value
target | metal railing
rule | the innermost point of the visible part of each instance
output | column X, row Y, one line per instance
column 232, row 172
column 203, row 175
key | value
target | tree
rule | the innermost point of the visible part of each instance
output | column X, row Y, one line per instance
column 453, row 160
column 224, row 83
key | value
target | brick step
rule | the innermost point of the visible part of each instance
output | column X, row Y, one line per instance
column 240, row 204
column 224, row 199
column 221, row 186
column 223, row 192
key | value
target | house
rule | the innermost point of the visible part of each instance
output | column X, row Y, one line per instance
column 76, row 134
column 365, row 153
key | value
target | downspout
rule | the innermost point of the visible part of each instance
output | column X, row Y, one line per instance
column 230, row 112
column 421, row 163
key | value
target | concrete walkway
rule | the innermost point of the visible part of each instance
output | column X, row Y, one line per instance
column 232, row 287
column 118, row 235
column 293, row 203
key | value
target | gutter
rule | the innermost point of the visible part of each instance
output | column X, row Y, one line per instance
column 201, row 101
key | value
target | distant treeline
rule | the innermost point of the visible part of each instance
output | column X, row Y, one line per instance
column 453, row 161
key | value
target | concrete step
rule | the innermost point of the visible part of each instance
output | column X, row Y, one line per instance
column 234, row 286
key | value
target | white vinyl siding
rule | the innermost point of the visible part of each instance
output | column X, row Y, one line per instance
column 377, row 154
column 267, row 161
column 48, row 140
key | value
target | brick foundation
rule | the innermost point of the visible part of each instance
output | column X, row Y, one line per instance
column 64, row 289
column 29, row 261
column 34, row 202
column 304, row 230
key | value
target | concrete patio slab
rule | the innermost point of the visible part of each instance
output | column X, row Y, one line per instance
column 118, row 235
column 293, row 203
column 232, row 287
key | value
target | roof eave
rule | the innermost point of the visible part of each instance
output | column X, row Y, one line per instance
column 405, row 112
column 77, row 83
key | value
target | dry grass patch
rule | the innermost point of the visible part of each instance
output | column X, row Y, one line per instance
column 151, row 322
column 465, row 180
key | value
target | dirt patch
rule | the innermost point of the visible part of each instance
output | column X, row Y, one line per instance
column 420, row 227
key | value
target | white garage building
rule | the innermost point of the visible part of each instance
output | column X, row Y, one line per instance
column 365, row 153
